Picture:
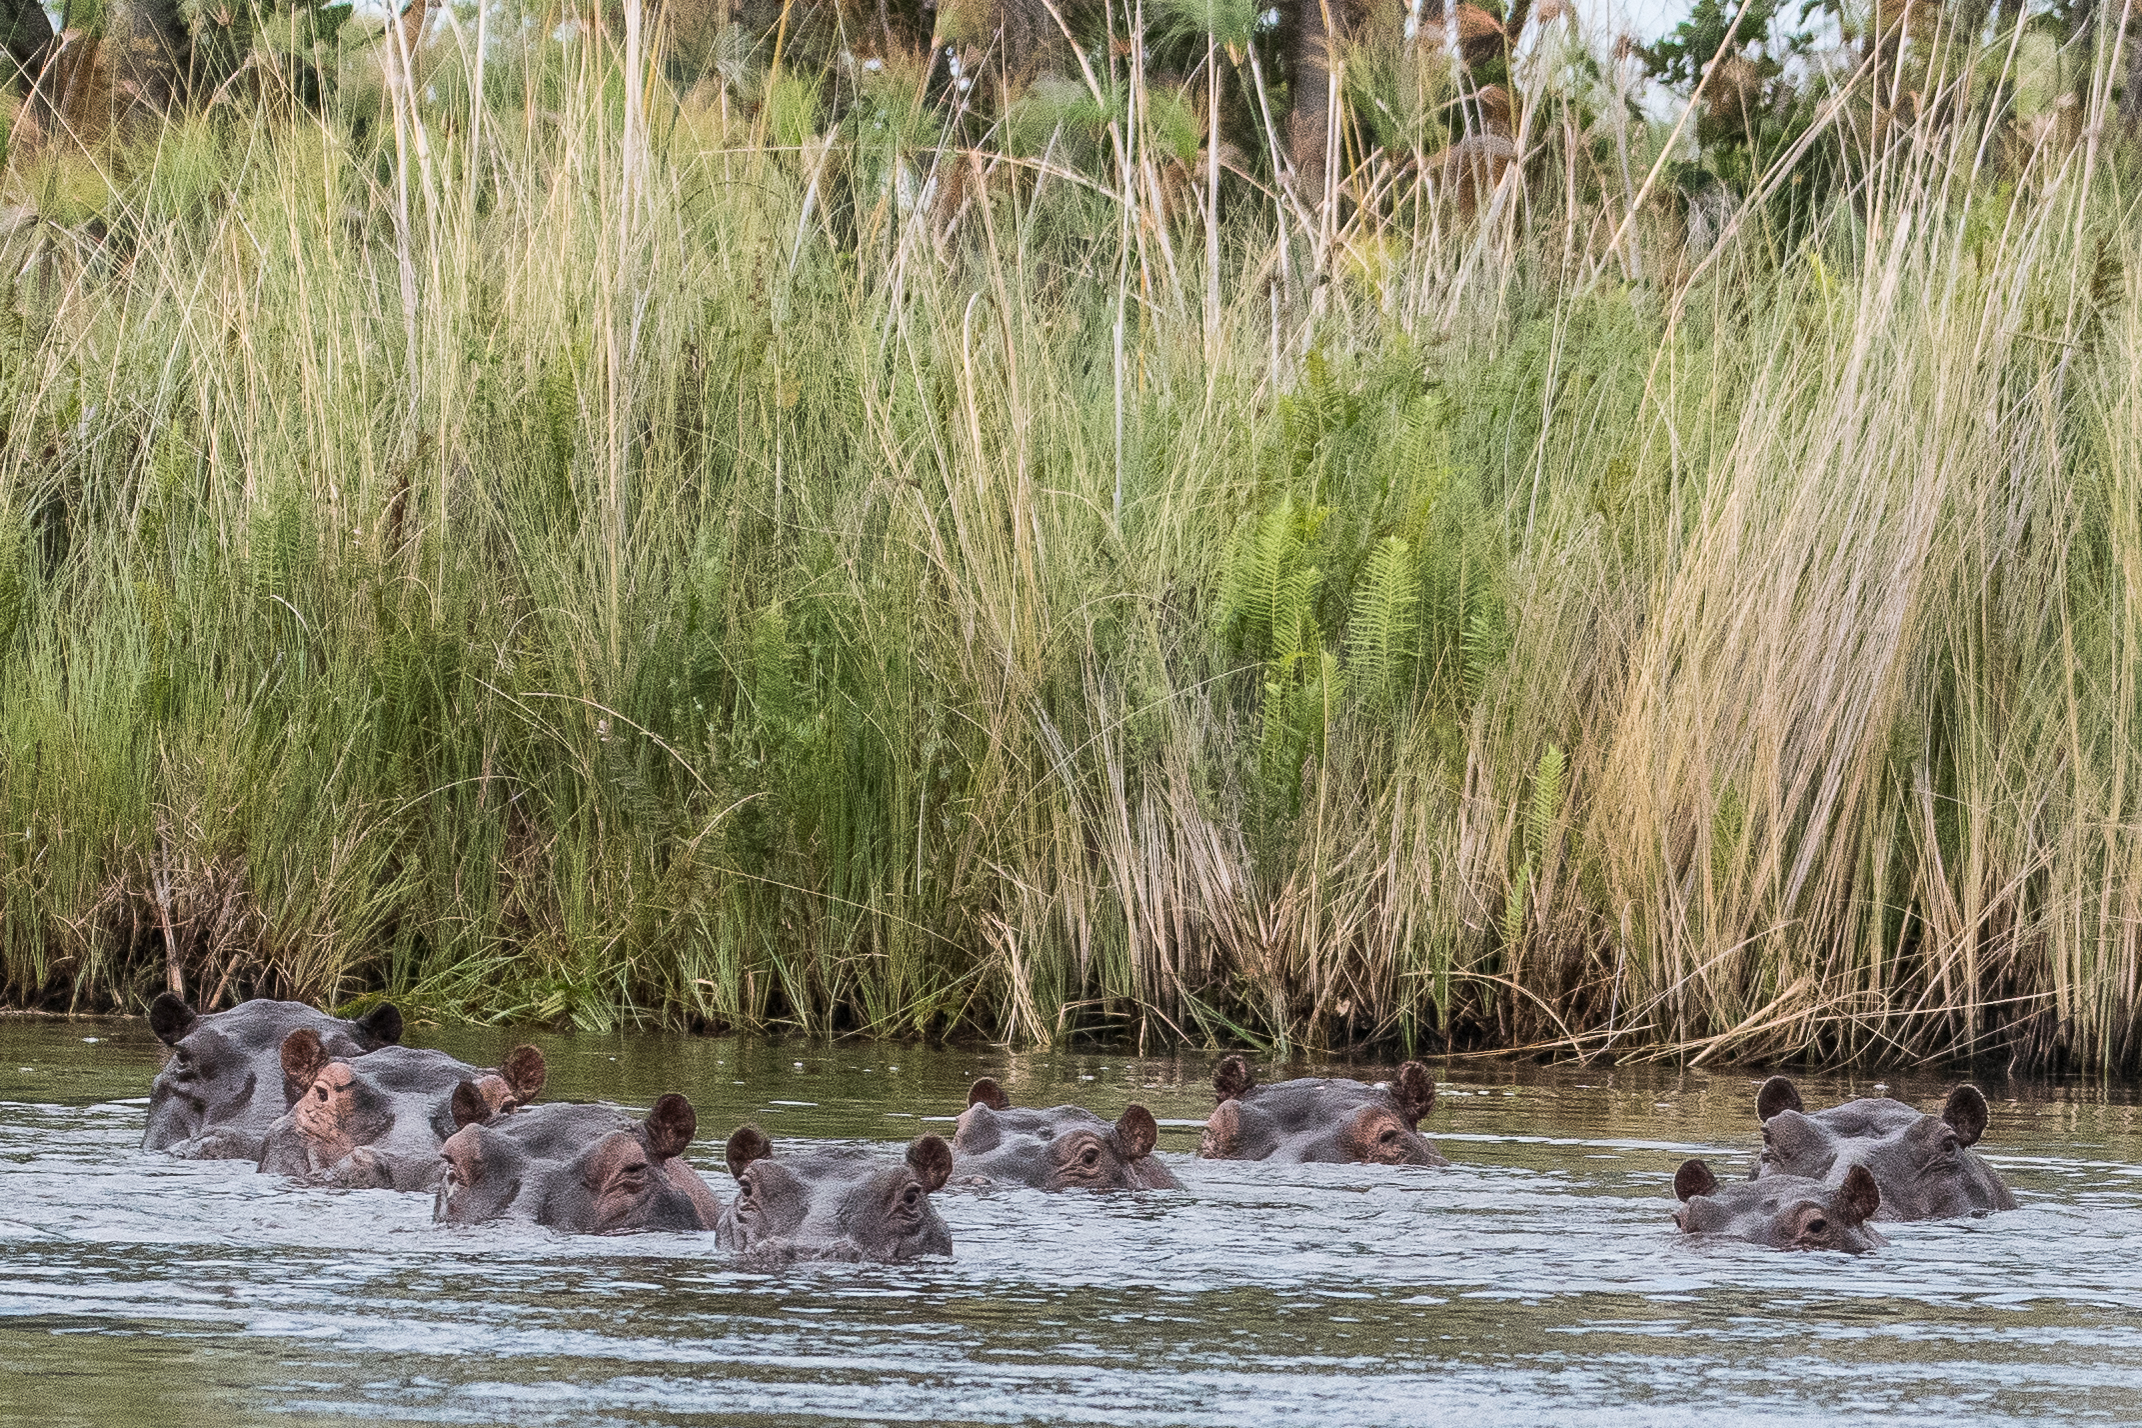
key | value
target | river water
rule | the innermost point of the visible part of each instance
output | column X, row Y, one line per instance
column 1539, row 1280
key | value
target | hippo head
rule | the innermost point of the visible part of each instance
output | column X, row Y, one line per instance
column 1320, row 1120
column 1924, row 1164
column 487, row 1095
column 618, row 1182
column 379, row 1120
column 334, row 1108
column 1781, row 1211
column 844, row 1205
column 216, row 1096
column 518, row 1080
column 1063, row 1148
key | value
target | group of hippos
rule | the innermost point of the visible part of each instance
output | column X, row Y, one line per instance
column 357, row 1109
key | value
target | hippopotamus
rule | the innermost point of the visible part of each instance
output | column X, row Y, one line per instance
column 1062, row 1148
column 588, row 1169
column 839, row 1204
column 378, row 1121
column 1316, row 1119
column 223, row 1086
column 1781, row 1211
column 1924, row 1164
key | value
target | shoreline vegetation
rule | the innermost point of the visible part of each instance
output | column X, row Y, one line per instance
column 783, row 527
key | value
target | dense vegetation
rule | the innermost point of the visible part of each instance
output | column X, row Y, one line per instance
column 621, row 529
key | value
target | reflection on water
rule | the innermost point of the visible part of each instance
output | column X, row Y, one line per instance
column 1538, row 1281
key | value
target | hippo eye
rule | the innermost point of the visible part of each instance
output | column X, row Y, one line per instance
column 1091, row 1156
column 910, row 1196
column 1817, row 1225
column 1389, row 1136
column 319, row 1093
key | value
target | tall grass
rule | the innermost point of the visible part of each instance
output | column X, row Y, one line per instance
column 548, row 545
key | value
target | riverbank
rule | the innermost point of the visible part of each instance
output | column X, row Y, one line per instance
column 697, row 583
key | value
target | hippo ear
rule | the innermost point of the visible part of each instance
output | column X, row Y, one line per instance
column 931, row 1159
column 525, row 1071
column 1136, row 1132
column 469, row 1106
column 1858, row 1198
column 303, row 1059
column 1966, row 1113
column 1692, row 1179
column 986, row 1092
column 1222, row 1133
column 1232, row 1078
column 670, row 1126
column 1414, row 1091
column 381, row 1026
column 749, row 1143
column 1778, row 1094
column 170, row 1018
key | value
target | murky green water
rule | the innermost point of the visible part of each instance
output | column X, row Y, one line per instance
column 1540, row 1280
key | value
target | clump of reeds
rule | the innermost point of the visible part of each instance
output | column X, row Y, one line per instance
column 552, row 542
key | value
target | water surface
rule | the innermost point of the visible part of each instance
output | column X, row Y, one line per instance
column 1539, row 1280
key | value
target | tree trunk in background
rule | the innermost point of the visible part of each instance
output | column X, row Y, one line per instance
column 1308, row 127
column 145, row 45
column 25, row 37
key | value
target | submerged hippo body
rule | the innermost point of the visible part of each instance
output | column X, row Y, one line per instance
column 1062, row 1148
column 587, row 1169
column 1781, row 1211
column 380, row 1120
column 1924, row 1164
column 1321, row 1120
column 835, row 1204
column 222, row 1089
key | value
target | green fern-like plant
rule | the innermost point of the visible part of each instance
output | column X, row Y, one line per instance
column 1380, row 629
column 1546, row 801
column 1513, row 904
column 1482, row 645
column 1269, row 595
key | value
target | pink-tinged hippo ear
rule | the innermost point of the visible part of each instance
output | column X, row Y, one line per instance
column 381, row 1026
column 1858, row 1198
column 1414, row 1091
column 931, row 1160
column 1136, row 1132
column 1692, row 1179
column 1232, row 1078
column 986, row 1092
column 461, row 1152
column 1778, row 1094
column 1223, row 1132
column 304, row 1058
column 1966, row 1113
column 747, row 1144
column 170, row 1018
column 470, row 1107
column 670, row 1127
column 525, row 1071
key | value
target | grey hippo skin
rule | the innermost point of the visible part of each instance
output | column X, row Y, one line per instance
column 1924, row 1164
column 586, row 1169
column 223, row 1086
column 1062, row 1148
column 378, row 1121
column 1781, row 1211
column 1333, row 1121
column 843, row 1204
